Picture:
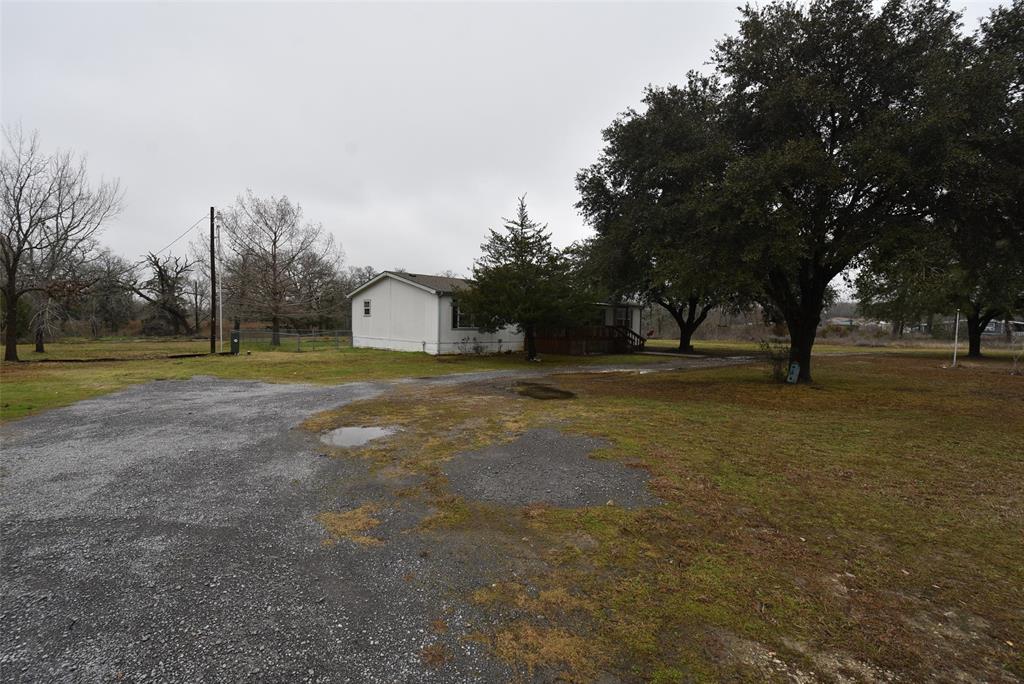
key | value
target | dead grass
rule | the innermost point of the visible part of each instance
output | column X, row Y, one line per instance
column 351, row 525
column 530, row 648
column 435, row 655
column 866, row 527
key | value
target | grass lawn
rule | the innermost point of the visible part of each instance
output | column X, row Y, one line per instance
column 866, row 528
column 29, row 387
column 928, row 349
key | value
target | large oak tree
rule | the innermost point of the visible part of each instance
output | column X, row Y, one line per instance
column 834, row 140
column 646, row 199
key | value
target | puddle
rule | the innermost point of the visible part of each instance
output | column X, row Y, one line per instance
column 355, row 436
column 537, row 390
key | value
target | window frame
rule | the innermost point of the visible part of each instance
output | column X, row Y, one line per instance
column 457, row 316
column 367, row 308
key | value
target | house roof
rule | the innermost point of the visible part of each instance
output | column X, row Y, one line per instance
column 439, row 285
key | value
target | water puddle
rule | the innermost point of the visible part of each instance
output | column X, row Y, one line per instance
column 355, row 436
column 538, row 390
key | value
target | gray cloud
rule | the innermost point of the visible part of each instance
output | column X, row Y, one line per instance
column 407, row 129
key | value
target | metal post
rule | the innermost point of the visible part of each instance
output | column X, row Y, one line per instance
column 213, row 290
column 956, row 336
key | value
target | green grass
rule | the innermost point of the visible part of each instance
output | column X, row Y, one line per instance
column 28, row 387
column 871, row 522
column 920, row 348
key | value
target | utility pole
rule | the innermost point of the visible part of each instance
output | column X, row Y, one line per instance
column 220, row 295
column 213, row 288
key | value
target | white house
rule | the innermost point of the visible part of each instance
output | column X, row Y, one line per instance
column 416, row 312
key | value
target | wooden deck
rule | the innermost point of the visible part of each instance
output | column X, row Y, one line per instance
column 589, row 339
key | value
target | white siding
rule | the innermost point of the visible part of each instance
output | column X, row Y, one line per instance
column 467, row 340
column 634, row 318
column 402, row 317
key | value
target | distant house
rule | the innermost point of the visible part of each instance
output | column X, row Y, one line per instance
column 416, row 312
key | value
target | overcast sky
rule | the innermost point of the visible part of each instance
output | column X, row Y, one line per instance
column 406, row 129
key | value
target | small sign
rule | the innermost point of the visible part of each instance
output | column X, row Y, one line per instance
column 794, row 373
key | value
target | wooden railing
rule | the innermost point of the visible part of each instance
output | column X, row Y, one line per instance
column 589, row 339
column 634, row 341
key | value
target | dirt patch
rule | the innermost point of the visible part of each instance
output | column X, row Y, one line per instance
column 547, row 466
column 537, row 390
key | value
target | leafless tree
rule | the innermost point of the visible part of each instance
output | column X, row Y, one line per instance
column 51, row 215
column 165, row 289
column 357, row 275
column 277, row 258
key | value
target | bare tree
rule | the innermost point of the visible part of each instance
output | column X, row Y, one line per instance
column 107, row 303
column 357, row 275
column 51, row 214
column 165, row 289
column 284, row 258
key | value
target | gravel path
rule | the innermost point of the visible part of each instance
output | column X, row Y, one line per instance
column 547, row 466
column 166, row 533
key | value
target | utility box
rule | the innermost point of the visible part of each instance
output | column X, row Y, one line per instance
column 794, row 373
column 236, row 341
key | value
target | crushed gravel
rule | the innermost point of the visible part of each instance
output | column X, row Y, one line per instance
column 166, row 533
column 547, row 466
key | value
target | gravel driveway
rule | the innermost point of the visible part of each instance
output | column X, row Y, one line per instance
column 166, row 533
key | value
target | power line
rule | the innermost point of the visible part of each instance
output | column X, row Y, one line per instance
column 187, row 231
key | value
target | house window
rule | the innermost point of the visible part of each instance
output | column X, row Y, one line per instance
column 366, row 307
column 622, row 316
column 461, row 319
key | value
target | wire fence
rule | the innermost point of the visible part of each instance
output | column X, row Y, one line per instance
column 293, row 340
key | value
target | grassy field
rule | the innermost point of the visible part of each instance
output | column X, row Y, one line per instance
column 865, row 528
column 926, row 349
column 33, row 386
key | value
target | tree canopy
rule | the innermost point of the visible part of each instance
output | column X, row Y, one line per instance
column 827, row 130
column 647, row 197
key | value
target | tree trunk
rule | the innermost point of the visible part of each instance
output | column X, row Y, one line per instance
column 11, row 299
column 1007, row 330
column 531, row 343
column 685, row 339
column 801, row 342
column 275, row 327
column 802, row 318
column 40, row 340
column 688, row 317
column 975, row 324
column 800, row 301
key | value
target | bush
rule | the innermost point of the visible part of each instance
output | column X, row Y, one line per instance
column 776, row 356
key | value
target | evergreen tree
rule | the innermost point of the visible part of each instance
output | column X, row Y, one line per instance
column 522, row 280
